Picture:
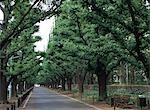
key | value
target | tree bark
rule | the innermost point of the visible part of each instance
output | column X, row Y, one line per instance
column 69, row 83
column 3, row 89
column 24, row 86
column 53, row 85
column 81, row 87
column 14, row 87
column 20, row 87
column 63, row 84
column 75, row 80
column 102, row 78
column 138, row 34
column 3, row 81
column 91, row 79
column 122, row 74
column 81, row 79
column 1, row 86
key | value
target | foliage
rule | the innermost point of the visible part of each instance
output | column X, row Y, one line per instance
column 95, row 36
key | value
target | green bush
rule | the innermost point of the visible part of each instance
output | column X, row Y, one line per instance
column 74, row 90
column 91, row 94
column 147, row 95
column 126, row 92
column 133, row 93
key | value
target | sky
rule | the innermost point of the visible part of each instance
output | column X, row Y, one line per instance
column 46, row 28
column 1, row 16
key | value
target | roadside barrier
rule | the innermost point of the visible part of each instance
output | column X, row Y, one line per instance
column 12, row 104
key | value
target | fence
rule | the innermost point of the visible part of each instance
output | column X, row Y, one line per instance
column 15, row 103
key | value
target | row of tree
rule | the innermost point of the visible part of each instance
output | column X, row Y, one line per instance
column 96, row 37
column 18, row 60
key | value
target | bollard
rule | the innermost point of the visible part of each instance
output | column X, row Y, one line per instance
column 142, row 101
column 148, row 105
column 114, row 105
column 18, row 101
column 7, row 108
column 12, row 107
column 112, row 101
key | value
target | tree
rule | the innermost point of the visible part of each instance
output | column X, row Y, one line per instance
column 130, row 29
column 17, row 21
column 96, row 36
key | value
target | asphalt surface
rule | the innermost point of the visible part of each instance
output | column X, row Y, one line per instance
column 44, row 99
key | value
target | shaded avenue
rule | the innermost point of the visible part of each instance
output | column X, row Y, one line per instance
column 44, row 99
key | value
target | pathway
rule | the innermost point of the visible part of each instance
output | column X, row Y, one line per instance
column 44, row 99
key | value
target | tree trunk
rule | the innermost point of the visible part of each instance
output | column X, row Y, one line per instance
column 3, row 81
column 24, row 86
column 81, row 87
column 132, row 76
column 3, row 89
column 122, row 74
column 147, row 71
column 141, row 56
column 55, row 85
column 92, row 78
column 20, row 87
column 75, row 80
column 13, row 87
column 69, row 83
column 52, row 85
column 102, row 78
column 1, row 86
column 63, row 84
column 27, row 86
column 81, row 79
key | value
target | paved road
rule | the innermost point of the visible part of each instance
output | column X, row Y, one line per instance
column 44, row 99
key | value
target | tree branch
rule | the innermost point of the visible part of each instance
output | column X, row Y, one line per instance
column 16, row 32
column 3, row 42
column 79, row 28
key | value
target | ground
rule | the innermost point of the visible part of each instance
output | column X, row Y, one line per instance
column 44, row 99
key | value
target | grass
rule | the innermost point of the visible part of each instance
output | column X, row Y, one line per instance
column 91, row 95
